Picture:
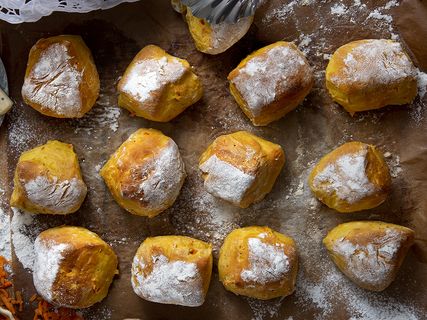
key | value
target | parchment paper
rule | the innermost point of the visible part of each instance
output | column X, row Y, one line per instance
column 315, row 128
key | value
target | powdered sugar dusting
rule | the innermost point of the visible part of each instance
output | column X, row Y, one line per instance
column 267, row 263
column 5, row 235
column 225, row 181
column 55, row 195
column 422, row 83
column 376, row 62
column 54, row 82
column 346, row 178
column 370, row 264
column 171, row 282
column 48, row 256
column 265, row 77
column 150, row 75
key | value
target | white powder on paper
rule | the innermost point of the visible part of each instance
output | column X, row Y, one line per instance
column 55, row 195
column 54, row 82
column 422, row 83
column 267, row 263
column 376, row 62
column 225, row 180
column 171, row 282
column 338, row 9
column 5, row 235
column 270, row 75
column 150, row 75
column 346, row 178
column 371, row 264
column 24, row 232
column 48, row 256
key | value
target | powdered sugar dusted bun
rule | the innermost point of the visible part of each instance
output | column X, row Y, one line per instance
column 369, row 252
column 61, row 79
column 271, row 82
column 146, row 173
column 73, row 267
column 353, row 177
column 216, row 38
column 241, row 168
column 370, row 74
column 48, row 180
column 172, row 270
column 158, row 86
column 258, row 262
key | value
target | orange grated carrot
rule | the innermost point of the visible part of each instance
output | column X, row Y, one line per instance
column 6, row 301
column 45, row 311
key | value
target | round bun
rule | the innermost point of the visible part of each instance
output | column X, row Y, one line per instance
column 241, row 168
column 172, row 270
column 48, row 180
column 158, row 86
column 370, row 253
column 216, row 38
column 146, row 173
column 370, row 74
column 271, row 82
column 73, row 267
column 61, row 80
column 353, row 177
column 258, row 262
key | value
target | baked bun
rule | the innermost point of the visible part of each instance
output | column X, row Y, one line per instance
column 353, row 177
column 258, row 262
column 216, row 38
column 271, row 82
column 172, row 270
column 146, row 173
column 61, row 80
column 370, row 74
column 370, row 253
column 158, row 86
column 73, row 267
column 48, row 180
column 241, row 168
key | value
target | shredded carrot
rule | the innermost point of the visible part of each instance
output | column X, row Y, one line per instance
column 6, row 301
column 45, row 311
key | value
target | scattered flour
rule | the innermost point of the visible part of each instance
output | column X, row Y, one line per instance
column 54, row 82
column 48, row 256
column 171, row 282
column 264, row 77
column 422, row 83
column 148, row 76
column 338, row 9
column 267, row 263
column 225, row 181
column 5, row 235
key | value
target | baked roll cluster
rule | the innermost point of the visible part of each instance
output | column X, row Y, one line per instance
column 271, row 82
column 369, row 253
column 353, row 177
column 241, row 168
column 61, row 79
column 146, row 173
column 172, row 270
column 158, row 86
column 73, row 267
column 370, row 74
column 48, row 180
column 213, row 38
column 258, row 262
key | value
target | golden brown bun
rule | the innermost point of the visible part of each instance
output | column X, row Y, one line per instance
column 370, row 74
column 146, row 173
column 271, row 82
column 158, row 86
column 370, row 253
column 215, row 39
column 61, row 80
column 258, row 262
column 73, row 267
column 48, row 180
column 353, row 177
column 172, row 270
column 241, row 168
